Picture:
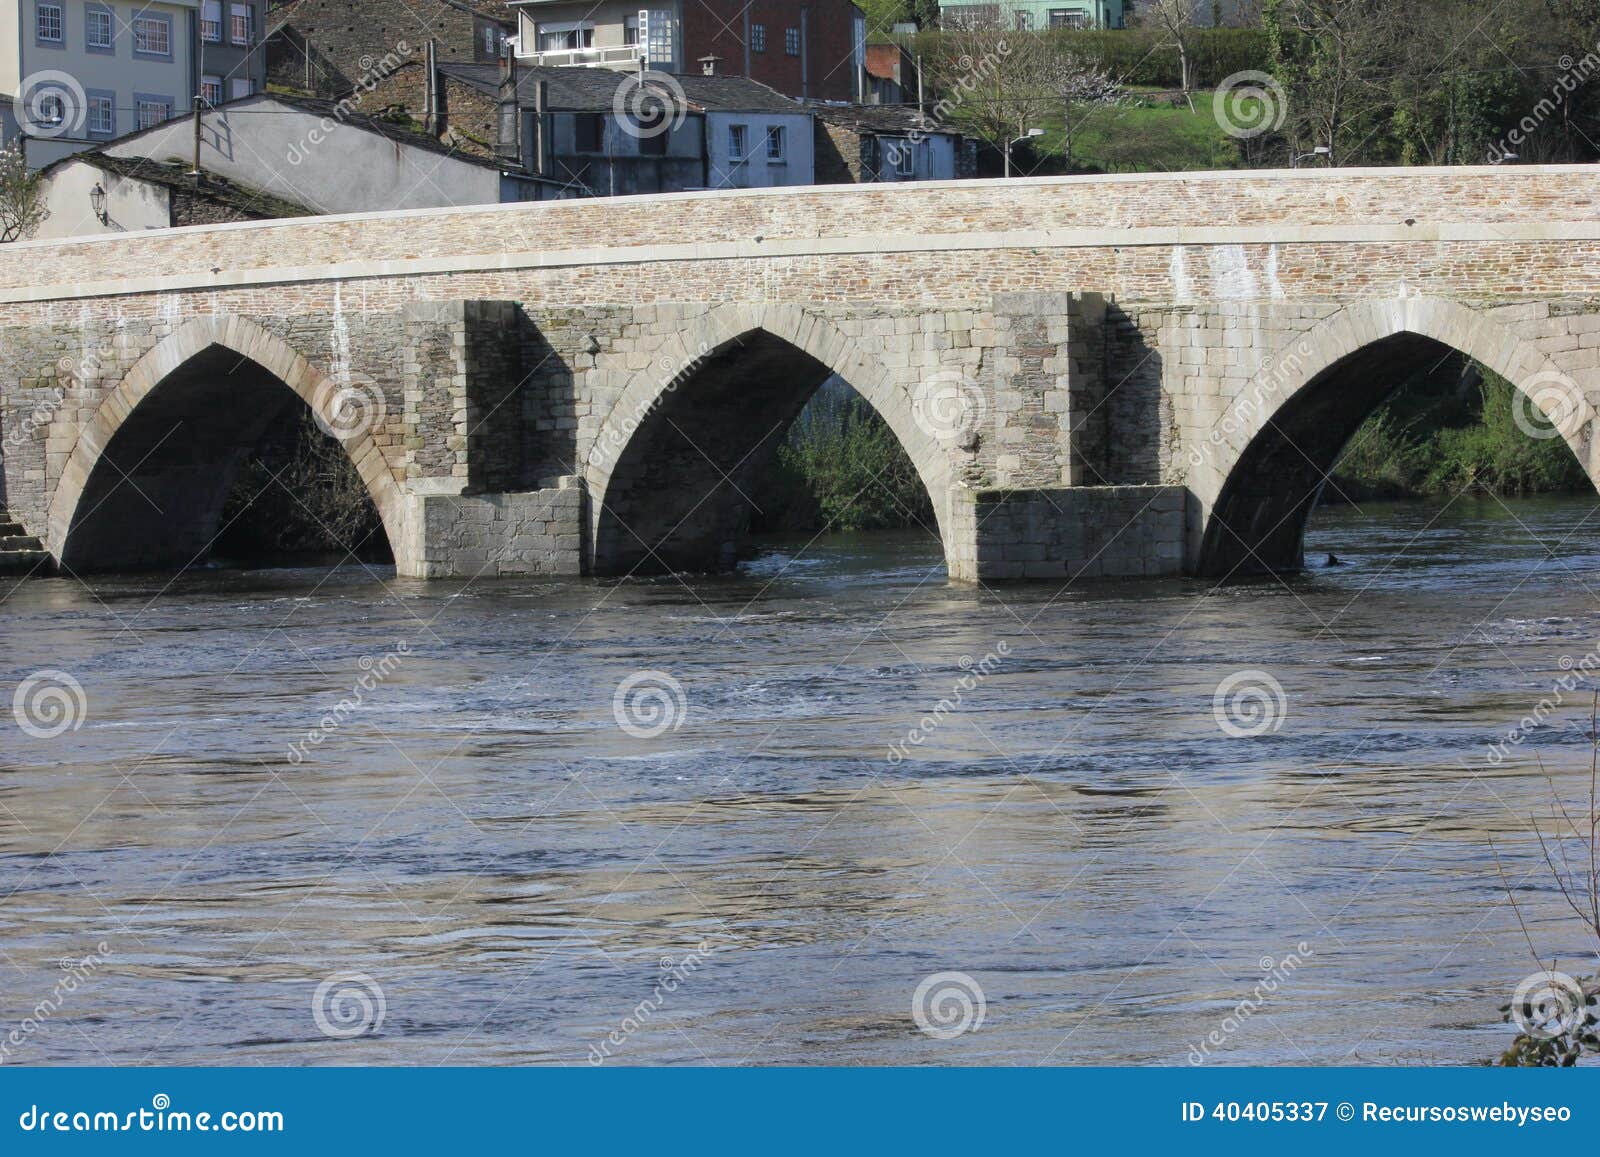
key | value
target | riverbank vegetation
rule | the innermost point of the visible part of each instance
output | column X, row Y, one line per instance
column 298, row 493
column 840, row 469
column 1462, row 437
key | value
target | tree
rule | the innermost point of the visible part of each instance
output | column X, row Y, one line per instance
column 1175, row 20
column 1336, row 60
column 22, row 207
column 1002, row 83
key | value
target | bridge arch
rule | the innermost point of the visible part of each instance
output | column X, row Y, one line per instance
column 102, row 513
column 1259, row 471
column 672, row 460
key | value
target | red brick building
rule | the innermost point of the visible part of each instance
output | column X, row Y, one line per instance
column 813, row 49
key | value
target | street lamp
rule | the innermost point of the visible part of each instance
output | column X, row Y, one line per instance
column 1319, row 151
column 1504, row 157
column 1027, row 136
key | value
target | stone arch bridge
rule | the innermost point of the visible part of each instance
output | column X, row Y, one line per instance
column 1092, row 376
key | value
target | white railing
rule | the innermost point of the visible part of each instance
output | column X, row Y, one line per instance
column 563, row 57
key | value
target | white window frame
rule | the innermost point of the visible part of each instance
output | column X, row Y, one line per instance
column 235, row 13
column 758, row 38
column 738, row 142
column 162, row 108
column 59, row 21
column 905, row 161
column 93, row 125
column 776, row 135
column 146, row 23
column 92, row 16
column 211, row 90
column 791, row 42
column 211, row 21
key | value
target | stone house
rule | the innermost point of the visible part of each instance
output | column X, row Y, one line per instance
column 860, row 144
column 331, row 48
column 718, row 132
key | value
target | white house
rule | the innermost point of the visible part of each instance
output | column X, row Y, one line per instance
column 82, row 72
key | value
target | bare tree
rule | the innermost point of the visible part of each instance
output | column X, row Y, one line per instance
column 22, row 207
column 1175, row 20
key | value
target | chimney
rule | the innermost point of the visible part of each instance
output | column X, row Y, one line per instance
column 708, row 65
column 508, row 122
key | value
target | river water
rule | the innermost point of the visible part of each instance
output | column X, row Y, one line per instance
column 515, row 878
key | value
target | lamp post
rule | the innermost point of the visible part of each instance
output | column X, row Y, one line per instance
column 1319, row 151
column 1011, row 144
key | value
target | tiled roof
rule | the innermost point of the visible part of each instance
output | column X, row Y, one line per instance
column 177, row 176
column 878, row 118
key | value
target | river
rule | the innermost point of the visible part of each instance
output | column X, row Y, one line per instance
column 514, row 878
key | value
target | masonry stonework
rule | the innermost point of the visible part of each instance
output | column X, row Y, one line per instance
column 1059, row 375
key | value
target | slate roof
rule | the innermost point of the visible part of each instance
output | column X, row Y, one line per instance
column 176, row 176
column 895, row 119
column 583, row 89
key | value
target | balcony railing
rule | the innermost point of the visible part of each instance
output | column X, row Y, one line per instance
column 627, row 54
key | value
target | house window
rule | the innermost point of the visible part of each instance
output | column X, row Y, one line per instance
column 775, row 142
column 242, row 23
column 239, row 88
column 99, row 29
column 211, row 89
column 52, row 111
column 589, row 133
column 102, row 116
column 1068, row 18
column 564, row 37
column 791, row 41
column 736, row 142
column 51, row 24
column 630, row 30
column 659, row 31
column 211, row 21
column 653, row 144
column 758, row 38
column 903, row 155
column 153, row 110
column 152, row 36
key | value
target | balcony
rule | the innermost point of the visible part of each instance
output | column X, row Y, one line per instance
column 617, row 56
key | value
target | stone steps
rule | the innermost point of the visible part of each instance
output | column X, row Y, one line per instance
column 20, row 552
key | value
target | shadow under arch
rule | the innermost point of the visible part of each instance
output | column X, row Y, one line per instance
column 673, row 463
column 146, row 480
column 1274, row 461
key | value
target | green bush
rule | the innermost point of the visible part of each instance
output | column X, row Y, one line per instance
column 841, row 469
column 1411, row 447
